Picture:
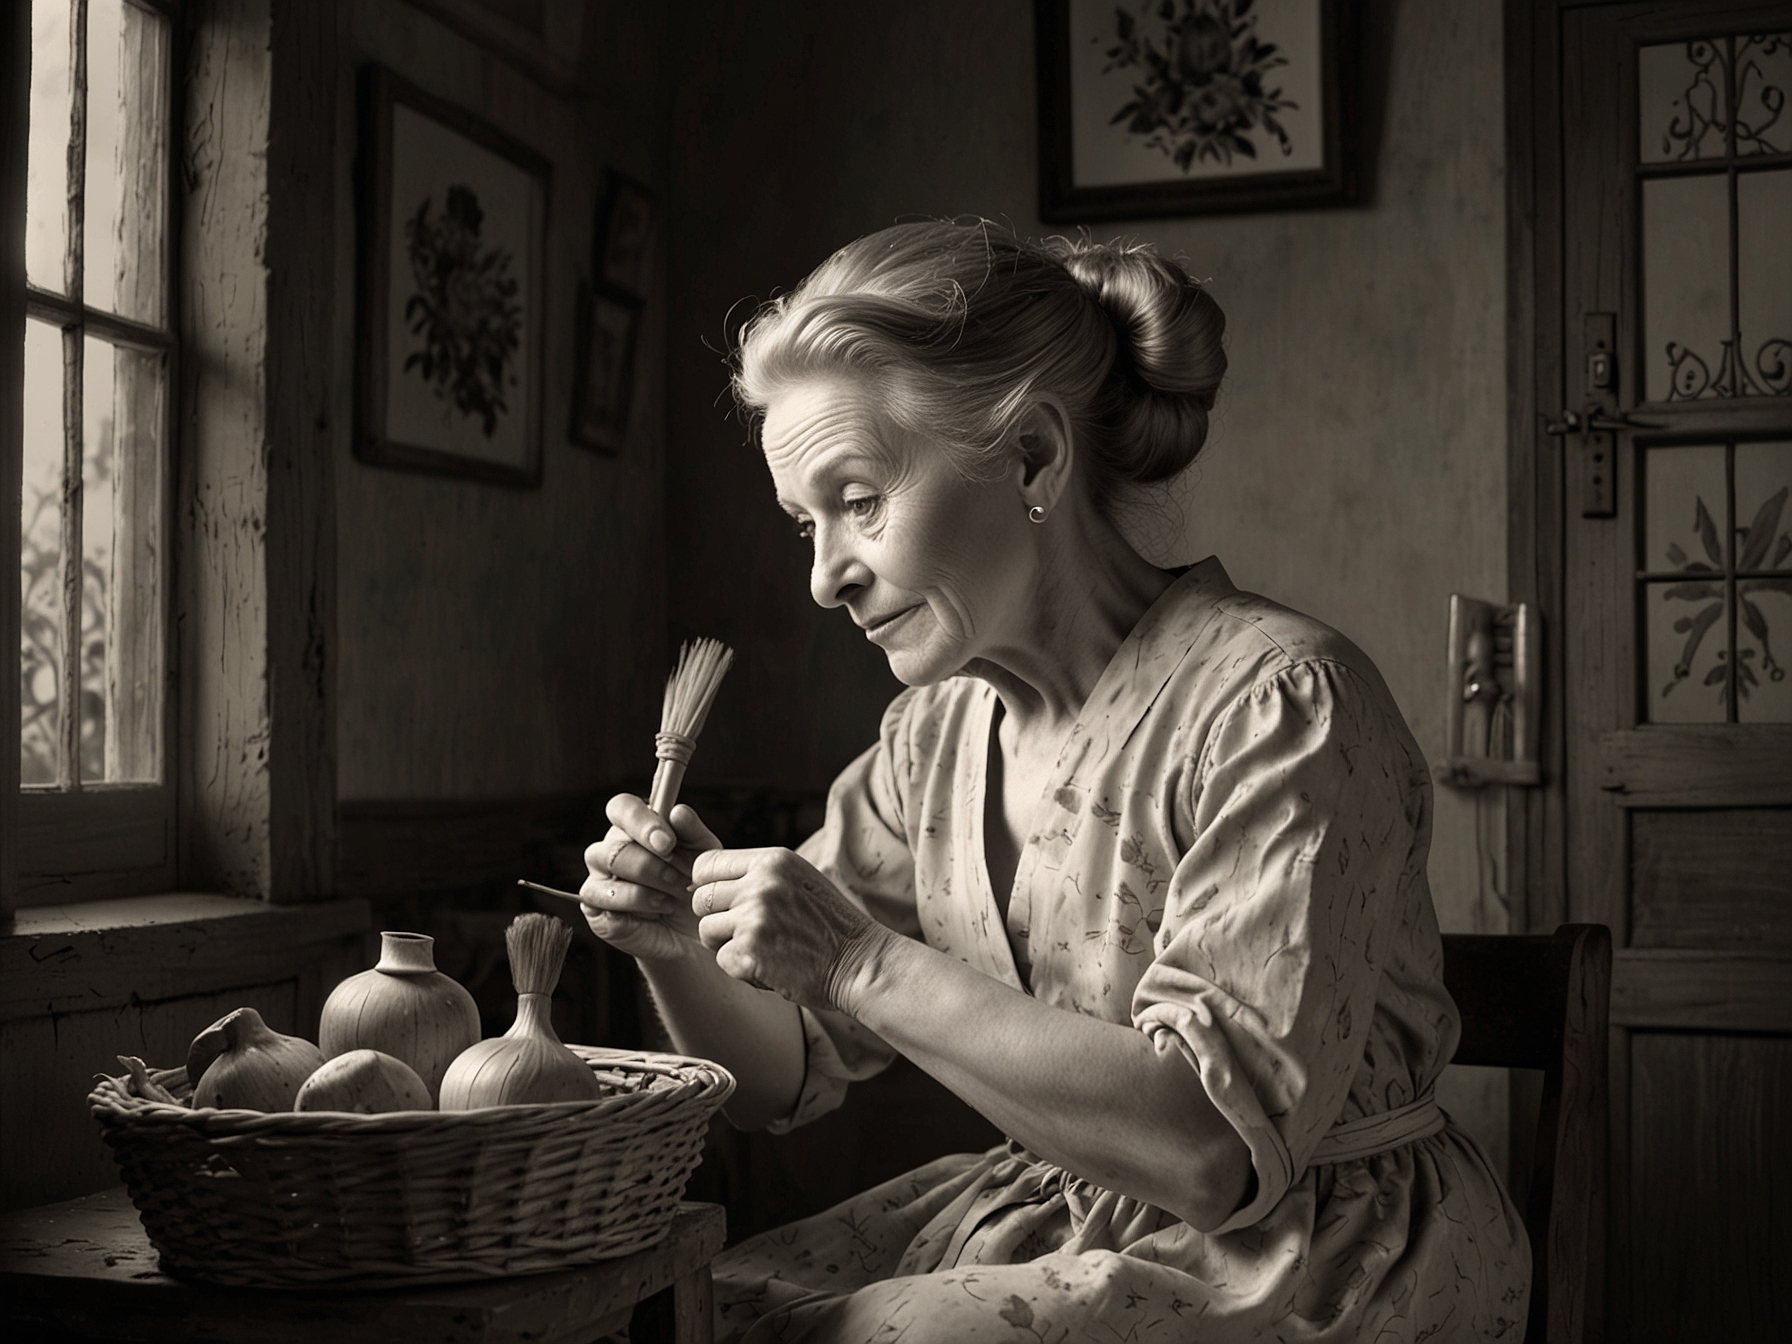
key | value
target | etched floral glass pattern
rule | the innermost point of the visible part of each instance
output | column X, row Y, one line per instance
column 1688, row 660
column 1677, row 536
column 1716, row 206
column 1682, row 101
column 1717, row 590
column 1764, row 295
column 1770, row 699
column 1686, row 282
column 1763, row 79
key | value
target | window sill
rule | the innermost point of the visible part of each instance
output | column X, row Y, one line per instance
column 108, row 954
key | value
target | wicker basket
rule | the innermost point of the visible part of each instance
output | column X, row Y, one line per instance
column 295, row 1200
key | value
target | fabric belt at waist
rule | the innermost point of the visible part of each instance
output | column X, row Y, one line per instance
column 1371, row 1134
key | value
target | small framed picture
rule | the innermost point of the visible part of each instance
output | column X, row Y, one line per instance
column 625, row 235
column 1182, row 107
column 609, row 329
column 452, row 290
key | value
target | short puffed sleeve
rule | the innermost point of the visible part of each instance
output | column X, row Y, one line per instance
column 863, row 848
column 1307, row 815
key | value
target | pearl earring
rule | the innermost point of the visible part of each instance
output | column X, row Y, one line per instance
column 1037, row 513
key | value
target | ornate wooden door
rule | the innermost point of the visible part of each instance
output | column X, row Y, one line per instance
column 1676, row 637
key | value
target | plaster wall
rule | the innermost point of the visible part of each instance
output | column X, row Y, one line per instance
column 499, row 642
column 1356, row 469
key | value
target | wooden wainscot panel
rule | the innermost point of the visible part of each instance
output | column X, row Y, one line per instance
column 95, row 845
column 50, row 1146
column 1701, row 991
column 1698, row 765
column 1711, row 878
column 117, row 830
column 1713, row 1111
column 112, row 954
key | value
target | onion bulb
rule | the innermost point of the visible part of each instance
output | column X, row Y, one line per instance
column 527, row 1065
column 244, row 1064
column 367, row 1082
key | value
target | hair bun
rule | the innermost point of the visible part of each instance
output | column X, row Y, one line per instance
column 962, row 326
column 1171, row 355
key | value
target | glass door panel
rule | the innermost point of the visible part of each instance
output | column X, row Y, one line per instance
column 1688, row 663
column 1713, row 141
column 1686, row 285
column 1763, row 78
column 1715, row 562
column 1764, row 281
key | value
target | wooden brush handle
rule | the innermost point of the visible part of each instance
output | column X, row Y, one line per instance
column 674, row 751
column 666, row 781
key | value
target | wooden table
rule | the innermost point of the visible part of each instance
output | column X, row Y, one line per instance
column 85, row 1269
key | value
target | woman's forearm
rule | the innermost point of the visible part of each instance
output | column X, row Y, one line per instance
column 755, row 1035
column 1098, row 1098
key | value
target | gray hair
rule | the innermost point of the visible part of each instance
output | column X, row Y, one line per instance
column 962, row 326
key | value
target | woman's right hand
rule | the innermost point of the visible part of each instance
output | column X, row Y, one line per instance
column 638, row 895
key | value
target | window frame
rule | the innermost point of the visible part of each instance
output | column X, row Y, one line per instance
column 93, row 840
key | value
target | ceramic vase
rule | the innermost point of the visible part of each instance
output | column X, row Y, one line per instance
column 403, row 1007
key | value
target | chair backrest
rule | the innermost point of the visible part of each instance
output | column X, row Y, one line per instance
column 1540, row 1002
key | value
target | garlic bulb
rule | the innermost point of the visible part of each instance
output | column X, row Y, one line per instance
column 527, row 1064
column 366, row 1082
column 246, row 1065
column 403, row 1007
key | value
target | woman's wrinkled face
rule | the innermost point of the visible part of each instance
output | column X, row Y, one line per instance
column 924, row 560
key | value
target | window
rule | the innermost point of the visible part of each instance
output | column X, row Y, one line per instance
column 99, row 351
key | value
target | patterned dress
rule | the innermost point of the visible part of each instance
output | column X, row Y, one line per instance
column 1230, row 853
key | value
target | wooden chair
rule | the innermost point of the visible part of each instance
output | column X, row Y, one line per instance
column 1540, row 1002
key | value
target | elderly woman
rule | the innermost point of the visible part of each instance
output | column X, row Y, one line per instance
column 1136, row 866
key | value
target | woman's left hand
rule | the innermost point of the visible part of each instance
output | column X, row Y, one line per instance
column 774, row 921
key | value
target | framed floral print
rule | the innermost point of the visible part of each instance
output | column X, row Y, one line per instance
column 1180, row 107
column 452, row 290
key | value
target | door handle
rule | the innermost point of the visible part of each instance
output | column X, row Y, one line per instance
column 1594, row 420
column 1599, row 421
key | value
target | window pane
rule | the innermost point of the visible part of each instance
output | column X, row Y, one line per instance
column 40, row 570
column 127, row 99
column 1683, row 509
column 46, row 172
column 121, row 594
column 1688, row 658
column 1763, row 81
column 1763, row 518
column 1686, row 285
column 1764, row 281
column 97, row 459
column 1763, row 628
column 1680, row 100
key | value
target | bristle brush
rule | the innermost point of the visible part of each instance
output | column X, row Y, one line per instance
column 690, row 691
